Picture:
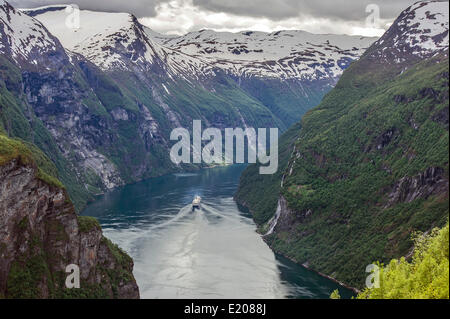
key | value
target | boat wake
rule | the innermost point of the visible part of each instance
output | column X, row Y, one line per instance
column 211, row 252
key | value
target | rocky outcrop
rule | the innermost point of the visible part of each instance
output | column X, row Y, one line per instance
column 431, row 181
column 287, row 218
column 40, row 235
column 57, row 99
column 442, row 117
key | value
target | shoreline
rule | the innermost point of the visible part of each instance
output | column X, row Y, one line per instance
column 245, row 207
column 355, row 290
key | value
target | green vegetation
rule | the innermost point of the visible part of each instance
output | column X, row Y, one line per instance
column 378, row 127
column 87, row 224
column 259, row 193
column 32, row 274
column 120, row 256
column 86, row 291
column 28, row 154
column 335, row 294
column 24, row 279
column 29, row 271
column 11, row 149
column 425, row 277
column 32, row 132
column 24, row 138
column 284, row 98
column 122, row 272
column 113, row 277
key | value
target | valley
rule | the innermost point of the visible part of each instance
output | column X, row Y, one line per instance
column 89, row 115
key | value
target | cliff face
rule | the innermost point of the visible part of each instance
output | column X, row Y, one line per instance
column 40, row 235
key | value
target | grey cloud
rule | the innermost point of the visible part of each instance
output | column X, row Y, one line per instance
column 140, row 8
column 333, row 12
column 281, row 9
column 272, row 9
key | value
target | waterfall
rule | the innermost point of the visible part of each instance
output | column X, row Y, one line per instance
column 274, row 220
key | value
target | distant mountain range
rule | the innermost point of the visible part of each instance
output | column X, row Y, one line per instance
column 101, row 100
column 108, row 39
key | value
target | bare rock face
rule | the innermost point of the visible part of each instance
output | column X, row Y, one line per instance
column 40, row 235
column 431, row 181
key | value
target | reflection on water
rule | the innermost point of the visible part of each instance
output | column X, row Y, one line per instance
column 213, row 252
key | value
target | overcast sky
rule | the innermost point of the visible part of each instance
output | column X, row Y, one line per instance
column 317, row 16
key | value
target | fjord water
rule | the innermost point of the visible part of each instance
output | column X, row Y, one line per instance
column 213, row 252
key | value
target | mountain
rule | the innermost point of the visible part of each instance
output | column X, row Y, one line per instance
column 284, row 54
column 41, row 235
column 101, row 100
column 368, row 167
column 85, row 110
column 301, row 65
column 102, row 129
column 289, row 71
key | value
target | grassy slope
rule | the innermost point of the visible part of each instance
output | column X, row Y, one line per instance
column 28, row 154
column 288, row 100
column 345, row 179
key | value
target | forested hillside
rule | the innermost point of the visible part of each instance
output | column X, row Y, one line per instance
column 369, row 165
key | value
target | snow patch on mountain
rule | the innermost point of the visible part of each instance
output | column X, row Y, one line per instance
column 109, row 39
column 282, row 54
column 21, row 36
column 103, row 38
column 117, row 41
column 427, row 23
column 420, row 31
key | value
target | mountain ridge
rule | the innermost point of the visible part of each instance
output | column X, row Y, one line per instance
column 107, row 100
column 202, row 51
column 365, row 168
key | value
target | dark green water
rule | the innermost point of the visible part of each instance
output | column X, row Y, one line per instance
column 209, row 253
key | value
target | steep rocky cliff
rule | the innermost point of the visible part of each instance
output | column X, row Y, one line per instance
column 40, row 235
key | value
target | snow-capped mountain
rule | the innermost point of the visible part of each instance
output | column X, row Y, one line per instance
column 387, row 122
column 419, row 32
column 282, row 54
column 24, row 39
column 101, row 100
column 103, row 38
column 102, row 103
column 107, row 39
column 116, row 41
